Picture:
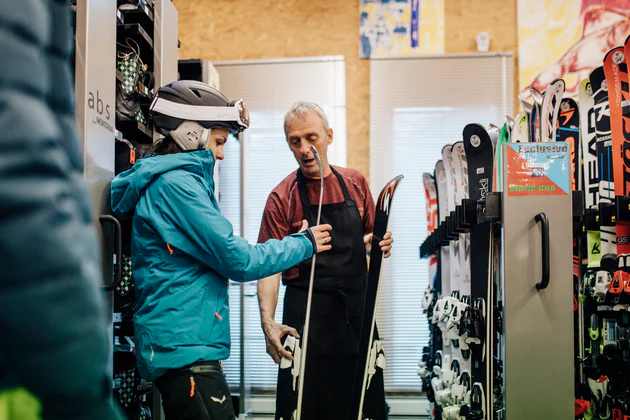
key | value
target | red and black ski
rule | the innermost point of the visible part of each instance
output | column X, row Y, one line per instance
column 616, row 72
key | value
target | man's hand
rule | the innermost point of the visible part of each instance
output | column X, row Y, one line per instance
column 274, row 333
column 385, row 244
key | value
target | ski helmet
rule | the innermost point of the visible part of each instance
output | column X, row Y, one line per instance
column 186, row 110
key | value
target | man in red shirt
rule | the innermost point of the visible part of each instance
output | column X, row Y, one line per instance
column 340, row 275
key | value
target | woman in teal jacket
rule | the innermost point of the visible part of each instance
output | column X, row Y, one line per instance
column 184, row 251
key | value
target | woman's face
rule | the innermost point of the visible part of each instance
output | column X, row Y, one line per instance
column 218, row 138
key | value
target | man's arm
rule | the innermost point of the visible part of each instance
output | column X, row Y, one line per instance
column 274, row 332
column 274, row 225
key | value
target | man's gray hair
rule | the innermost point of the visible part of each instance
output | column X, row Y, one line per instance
column 301, row 109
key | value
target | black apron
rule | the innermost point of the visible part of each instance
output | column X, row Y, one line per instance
column 336, row 312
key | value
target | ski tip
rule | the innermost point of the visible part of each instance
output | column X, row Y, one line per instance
column 387, row 194
column 612, row 51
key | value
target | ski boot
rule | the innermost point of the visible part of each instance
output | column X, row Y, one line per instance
column 477, row 403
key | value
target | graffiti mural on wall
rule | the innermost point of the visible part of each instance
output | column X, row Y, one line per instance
column 401, row 27
column 567, row 38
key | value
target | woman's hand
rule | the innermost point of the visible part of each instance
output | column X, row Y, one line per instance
column 321, row 235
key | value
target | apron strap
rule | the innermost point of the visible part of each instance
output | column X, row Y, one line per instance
column 306, row 202
column 342, row 184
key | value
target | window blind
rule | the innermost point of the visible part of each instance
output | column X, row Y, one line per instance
column 269, row 88
column 417, row 105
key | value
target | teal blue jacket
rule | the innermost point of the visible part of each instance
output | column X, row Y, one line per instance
column 53, row 336
column 183, row 252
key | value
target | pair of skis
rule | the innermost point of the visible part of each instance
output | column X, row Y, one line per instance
column 365, row 364
column 605, row 288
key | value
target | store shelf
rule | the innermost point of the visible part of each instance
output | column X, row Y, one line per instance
column 136, row 32
column 135, row 130
column 141, row 7
column 142, row 89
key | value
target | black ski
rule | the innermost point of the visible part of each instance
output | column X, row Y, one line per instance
column 366, row 337
column 480, row 155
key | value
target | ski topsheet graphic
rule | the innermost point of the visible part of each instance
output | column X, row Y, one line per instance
column 616, row 73
column 588, row 140
column 528, row 112
column 447, row 158
column 479, row 149
column 430, row 190
column 459, row 155
column 519, row 131
column 605, row 162
column 445, row 266
column 536, row 111
column 367, row 358
column 603, row 134
column 549, row 110
column 569, row 131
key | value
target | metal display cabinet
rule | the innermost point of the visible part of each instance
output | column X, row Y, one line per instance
column 99, row 25
column 95, row 96
column 537, row 281
column 165, row 42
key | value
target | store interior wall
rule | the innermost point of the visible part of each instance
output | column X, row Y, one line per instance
column 261, row 29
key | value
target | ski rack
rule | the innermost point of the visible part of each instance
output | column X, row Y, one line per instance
column 466, row 214
column 489, row 211
column 622, row 211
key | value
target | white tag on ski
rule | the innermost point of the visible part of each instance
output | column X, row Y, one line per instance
column 289, row 345
column 295, row 370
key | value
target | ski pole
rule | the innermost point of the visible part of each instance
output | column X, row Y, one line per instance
column 307, row 321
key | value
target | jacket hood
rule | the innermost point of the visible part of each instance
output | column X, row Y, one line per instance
column 128, row 186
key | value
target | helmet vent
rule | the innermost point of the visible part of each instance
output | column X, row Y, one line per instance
column 196, row 92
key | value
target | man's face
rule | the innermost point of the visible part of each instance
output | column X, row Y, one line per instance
column 302, row 133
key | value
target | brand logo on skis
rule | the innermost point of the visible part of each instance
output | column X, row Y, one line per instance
column 623, row 239
column 480, row 170
column 618, row 57
column 589, row 89
column 483, row 188
column 386, row 202
column 595, row 250
column 475, row 140
column 604, row 86
column 565, row 107
column 558, row 87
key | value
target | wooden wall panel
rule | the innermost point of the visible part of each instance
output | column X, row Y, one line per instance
column 249, row 29
column 466, row 18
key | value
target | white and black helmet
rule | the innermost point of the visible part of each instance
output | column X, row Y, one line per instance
column 186, row 110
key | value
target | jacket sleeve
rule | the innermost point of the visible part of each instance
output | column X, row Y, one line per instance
column 53, row 336
column 185, row 216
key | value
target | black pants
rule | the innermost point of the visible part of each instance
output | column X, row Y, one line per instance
column 197, row 392
column 331, row 362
